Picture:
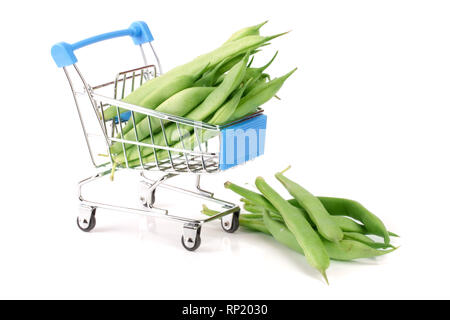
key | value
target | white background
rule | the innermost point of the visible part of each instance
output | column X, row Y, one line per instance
column 365, row 117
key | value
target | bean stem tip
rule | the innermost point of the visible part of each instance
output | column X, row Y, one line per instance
column 113, row 170
column 284, row 171
column 259, row 26
column 324, row 274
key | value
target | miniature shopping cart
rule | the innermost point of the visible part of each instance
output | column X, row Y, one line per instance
column 230, row 145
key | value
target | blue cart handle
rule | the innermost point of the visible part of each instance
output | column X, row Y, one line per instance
column 63, row 54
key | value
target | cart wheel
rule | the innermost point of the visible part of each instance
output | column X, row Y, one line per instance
column 191, row 237
column 86, row 225
column 230, row 223
column 188, row 244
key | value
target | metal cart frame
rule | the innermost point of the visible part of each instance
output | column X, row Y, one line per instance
column 196, row 161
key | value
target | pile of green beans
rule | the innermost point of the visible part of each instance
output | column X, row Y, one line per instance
column 320, row 228
column 216, row 88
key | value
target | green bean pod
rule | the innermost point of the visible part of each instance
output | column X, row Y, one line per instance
column 254, row 197
column 229, row 64
column 225, row 112
column 245, row 220
column 305, row 235
column 223, row 91
column 349, row 225
column 245, row 32
column 356, row 211
column 255, row 73
column 179, row 104
column 260, row 95
column 255, row 209
column 262, row 80
column 256, row 213
column 316, row 211
column 345, row 250
column 254, row 225
column 210, row 77
column 187, row 143
column 344, row 223
column 252, row 208
column 366, row 240
column 153, row 99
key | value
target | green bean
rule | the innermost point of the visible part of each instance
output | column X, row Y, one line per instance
column 222, row 115
column 205, row 109
column 250, row 62
column 258, row 75
column 179, row 104
column 252, row 208
column 245, row 32
column 257, row 200
column 305, row 235
column 245, row 220
column 228, row 65
column 366, row 240
column 254, row 225
column 248, row 216
column 256, row 212
column 345, row 250
column 316, row 211
column 209, row 78
column 259, row 95
column 262, row 80
column 346, row 224
column 356, row 211
column 152, row 99
column 254, row 197
column 255, row 73
column 393, row 234
column 218, row 97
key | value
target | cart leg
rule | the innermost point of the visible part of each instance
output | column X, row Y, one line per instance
column 191, row 236
column 204, row 192
column 148, row 190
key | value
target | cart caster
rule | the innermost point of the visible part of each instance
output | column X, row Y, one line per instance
column 191, row 237
column 86, row 220
column 230, row 223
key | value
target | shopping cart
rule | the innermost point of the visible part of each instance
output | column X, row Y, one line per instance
column 231, row 144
